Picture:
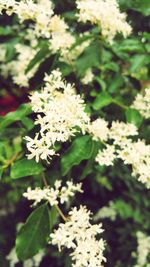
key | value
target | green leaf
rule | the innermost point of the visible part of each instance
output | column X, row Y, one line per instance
column 128, row 45
column 80, row 149
column 143, row 6
column 104, row 182
column 1, row 171
column 137, row 62
column 91, row 57
column 33, row 235
column 6, row 31
column 89, row 166
column 124, row 209
column 65, row 68
column 25, row 167
column 28, row 123
column 10, row 49
column 133, row 116
column 40, row 55
column 19, row 114
column 102, row 100
column 53, row 215
column 111, row 66
column 101, row 82
column 115, row 83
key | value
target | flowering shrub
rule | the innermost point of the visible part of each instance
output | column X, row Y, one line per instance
column 75, row 111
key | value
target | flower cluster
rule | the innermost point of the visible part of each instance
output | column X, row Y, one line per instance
column 39, row 12
column 142, row 103
column 45, row 23
column 107, row 155
column 99, row 129
column 53, row 195
column 18, row 67
column 134, row 153
column 138, row 155
column 61, row 115
column 24, row 53
column 62, row 110
column 61, row 38
column 143, row 249
column 106, row 14
column 79, row 235
column 75, row 51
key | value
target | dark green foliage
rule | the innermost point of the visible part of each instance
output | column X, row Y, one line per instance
column 34, row 234
column 121, row 70
column 80, row 149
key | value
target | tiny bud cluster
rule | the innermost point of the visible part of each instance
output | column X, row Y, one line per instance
column 53, row 195
column 79, row 235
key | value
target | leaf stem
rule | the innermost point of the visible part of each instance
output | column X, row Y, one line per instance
column 61, row 213
column 10, row 161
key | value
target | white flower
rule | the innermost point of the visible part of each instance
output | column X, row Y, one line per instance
column 120, row 130
column 143, row 249
column 142, row 103
column 39, row 194
column 62, row 110
column 88, row 77
column 106, row 14
column 53, row 195
column 61, row 38
column 2, row 53
column 69, row 191
column 12, row 257
column 73, row 53
column 18, row 66
column 79, row 235
column 106, row 156
column 99, row 129
column 45, row 23
column 137, row 154
column 33, row 262
column 39, row 149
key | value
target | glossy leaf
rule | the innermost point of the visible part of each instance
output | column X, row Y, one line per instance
column 91, row 57
column 40, row 55
column 34, row 234
column 19, row 114
column 25, row 167
column 102, row 100
column 133, row 116
column 80, row 149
